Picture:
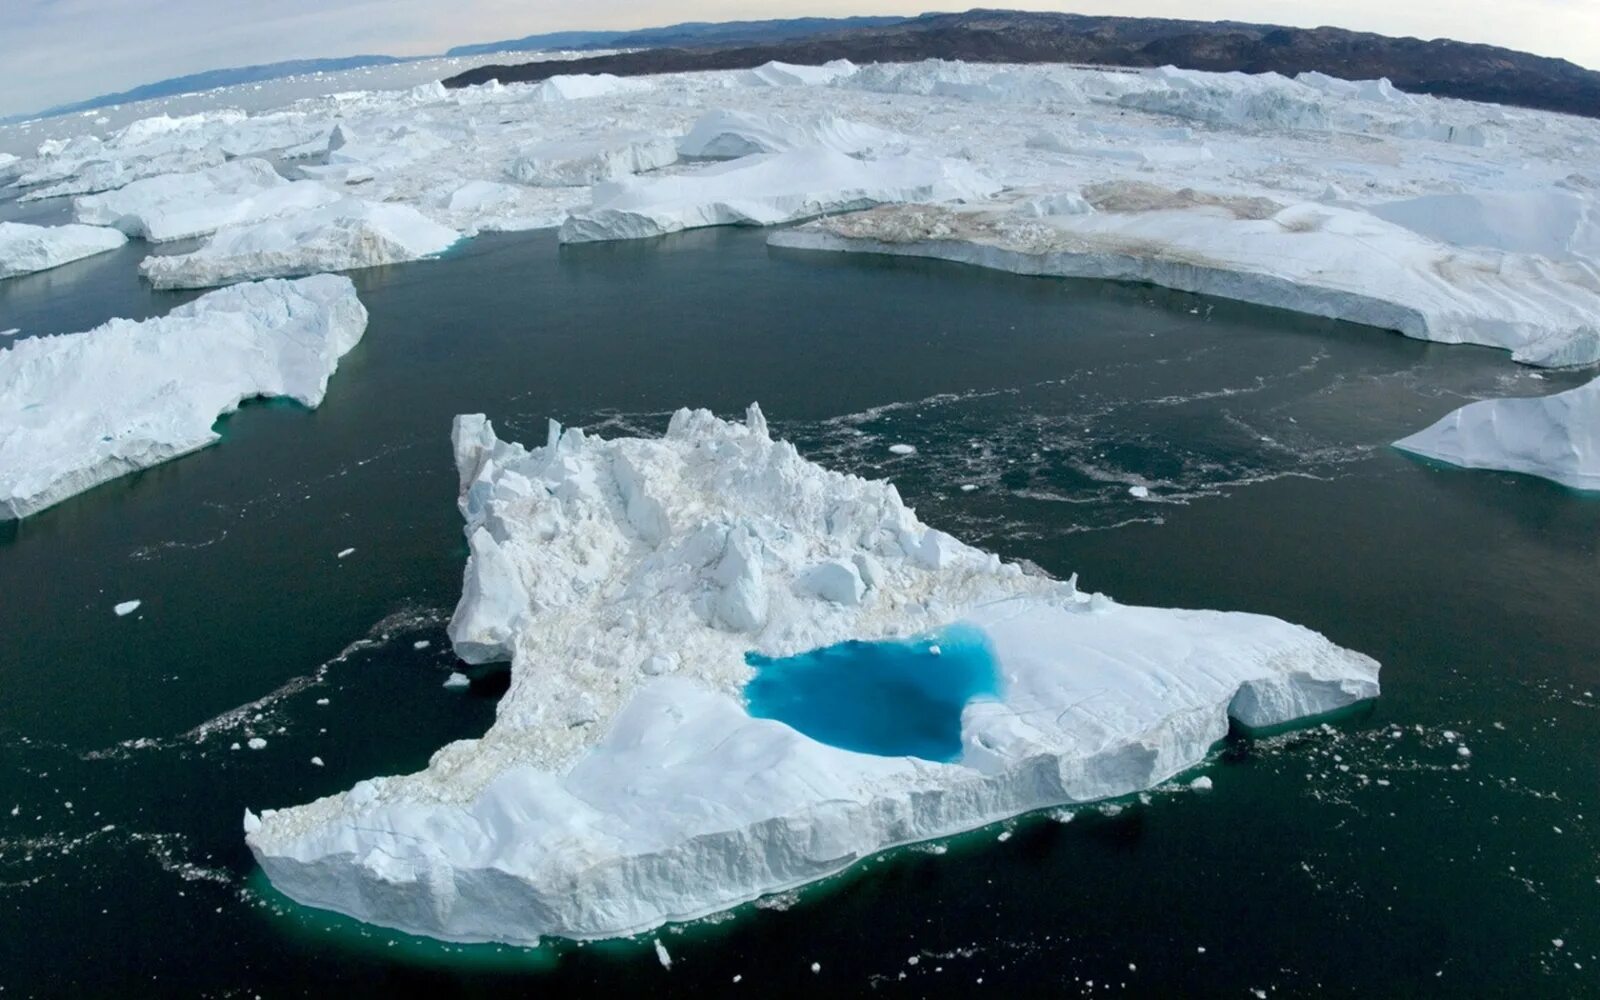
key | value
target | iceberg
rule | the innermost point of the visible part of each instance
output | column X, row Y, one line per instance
column 625, row 781
column 767, row 190
column 579, row 86
column 107, row 175
column 339, row 236
column 179, row 206
column 782, row 74
column 726, row 135
column 581, row 162
column 1319, row 259
column 79, row 409
column 25, row 249
column 1557, row 437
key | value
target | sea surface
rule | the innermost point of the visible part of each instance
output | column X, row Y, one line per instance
column 1443, row 840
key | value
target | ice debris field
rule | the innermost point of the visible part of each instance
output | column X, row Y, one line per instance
column 735, row 671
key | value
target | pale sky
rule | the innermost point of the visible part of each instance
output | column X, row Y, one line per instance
column 55, row 51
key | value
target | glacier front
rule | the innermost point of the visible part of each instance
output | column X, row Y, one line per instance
column 625, row 782
column 79, row 409
column 1557, row 437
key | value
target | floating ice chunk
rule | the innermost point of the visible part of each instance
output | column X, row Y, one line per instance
column 662, row 956
column 25, row 249
column 782, row 74
column 256, row 743
column 316, row 762
column 577, row 86
column 1201, row 784
column 456, row 681
column 421, row 644
column 725, row 135
column 902, row 449
column 1557, row 437
column 767, row 190
column 95, row 176
column 82, row 408
column 1139, row 492
column 178, row 206
column 1312, row 258
column 345, row 234
column 580, row 162
column 11, row 332
column 609, row 797
column 126, row 608
column 342, row 553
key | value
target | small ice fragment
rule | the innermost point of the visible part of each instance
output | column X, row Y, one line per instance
column 1005, row 835
column 913, row 960
column 738, row 978
column 127, row 608
column 16, row 810
column 816, row 966
column 1463, row 752
column 1558, row 942
column 421, row 644
column 322, row 701
column 968, row 487
column 1201, row 949
column 11, row 332
column 934, row 650
column 343, row 553
column 903, row 449
column 1201, row 784
column 1139, row 491
column 233, row 746
column 256, row 743
column 457, row 680
column 662, row 956
column 317, row 761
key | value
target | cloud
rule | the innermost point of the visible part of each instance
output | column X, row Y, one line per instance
column 53, row 51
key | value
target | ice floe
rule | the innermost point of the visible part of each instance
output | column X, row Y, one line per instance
column 79, row 409
column 25, row 249
column 765, row 190
column 624, row 783
column 179, row 206
column 1557, row 437
column 1311, row 258
column 345, row 234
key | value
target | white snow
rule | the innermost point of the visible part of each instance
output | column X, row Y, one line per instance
column 177, row 206
column 25, row 249
column 79, row 409
column 580, row 162
column 1557, row 437
column 608, row 798
column 1312, row 258
column 344, row 234
column 126, row 608
column 766, row 190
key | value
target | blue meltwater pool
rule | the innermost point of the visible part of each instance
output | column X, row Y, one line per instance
column 894, row 698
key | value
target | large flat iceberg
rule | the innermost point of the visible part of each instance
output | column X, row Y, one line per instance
column 339, row 236
column 1311, row 258
column 1557, row 437
column 179, row 206
column 25, row 249
column 767, row 190
column 625, row 782
column 79, row 409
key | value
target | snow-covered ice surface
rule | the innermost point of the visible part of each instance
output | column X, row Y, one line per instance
column 348, row 233
column 25, row 249
column 1557, row 437
column 82, row 408
column 575, row 162
column 767, row 189
column 624, row 784
column 727, row 135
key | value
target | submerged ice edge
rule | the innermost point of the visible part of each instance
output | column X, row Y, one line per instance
column 624, row 783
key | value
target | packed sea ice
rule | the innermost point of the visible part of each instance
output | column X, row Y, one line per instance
column 625, row 782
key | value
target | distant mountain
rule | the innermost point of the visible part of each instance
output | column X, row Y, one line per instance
column 690, row 33
column 1441, row 67
column 211, row 79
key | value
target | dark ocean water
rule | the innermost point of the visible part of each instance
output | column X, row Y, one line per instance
column 1368, row 856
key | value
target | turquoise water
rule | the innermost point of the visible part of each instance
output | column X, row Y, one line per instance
column 893, row 698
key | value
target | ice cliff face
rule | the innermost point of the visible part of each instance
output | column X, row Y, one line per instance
column 1557, row 437
column 624, row 783
column 81, row 408
column 1309, row 257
